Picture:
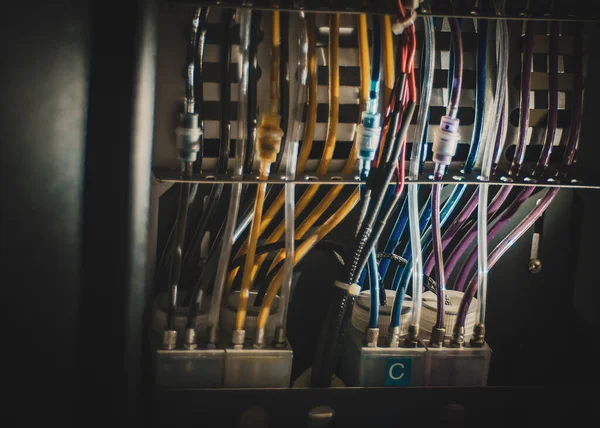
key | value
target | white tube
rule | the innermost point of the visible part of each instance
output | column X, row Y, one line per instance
column 415, row 161
column 236, row 191
column 482, row 218
column 291, row 156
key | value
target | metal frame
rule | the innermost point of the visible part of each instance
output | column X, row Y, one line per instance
column 564, row 10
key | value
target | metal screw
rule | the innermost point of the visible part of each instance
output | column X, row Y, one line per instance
column 535, row 266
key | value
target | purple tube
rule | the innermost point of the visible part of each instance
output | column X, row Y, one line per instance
column 470, row 235
column 569, row 155
column 502, row 248
column 515, row 168
column 553, row 103
column 502, row 221
column 438, row 253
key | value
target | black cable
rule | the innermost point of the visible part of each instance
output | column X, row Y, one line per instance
column 198, row 56
column 284, row 84
column 253, row 75
column 175, row 274
column 400, row 261
column 337, row 249
column 203, row 224
column 227, row 35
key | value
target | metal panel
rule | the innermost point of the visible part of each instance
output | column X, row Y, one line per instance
column 121, row 122
column 44, row 84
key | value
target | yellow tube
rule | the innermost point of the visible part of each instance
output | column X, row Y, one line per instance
column 301, row 251
column 388, row 56
column 331, row 138
column 249, row 263
column 275, row 47
column 363, row 59
column 365, row 81
column 307, row 142
column 268, row 143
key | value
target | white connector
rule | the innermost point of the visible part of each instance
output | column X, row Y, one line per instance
column 445, row 141
column 399, row 26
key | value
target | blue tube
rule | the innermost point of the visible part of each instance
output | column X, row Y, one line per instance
column 402, row 277
column 374, row 284
column 376, row 67
column 479, row 96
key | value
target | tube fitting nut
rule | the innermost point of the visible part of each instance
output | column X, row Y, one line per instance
column 238, row 338
column 412, row 339
column 445, row 140
column 371, row 337
column 394, row 336
column 169, row 339
column 437, row 337
column 478, row 338
column 458, row 337
column 189, row 342
column 188, row 137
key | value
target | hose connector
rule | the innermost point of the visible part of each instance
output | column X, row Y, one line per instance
column 238, row 338
column 187, row 137
column 189, row 342
column 478, row 338
column 279, row 340
column 259, row 343
column 445, row 140
column 212, row 337
column 412, row 339
column 437, row 337
column 371, row 337
column 394, row 337
column 368, row 133
column 268, row 138
column 458, row 337
column 169, row 341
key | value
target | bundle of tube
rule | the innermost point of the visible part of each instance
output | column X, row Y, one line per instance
column 395, row 127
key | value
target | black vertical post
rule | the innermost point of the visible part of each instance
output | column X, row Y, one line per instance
column 117, row 194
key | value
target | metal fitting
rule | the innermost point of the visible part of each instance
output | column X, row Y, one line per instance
column 238, row 339
column 412, row 339
column 535, row 266
column 279, row 341
column 458, row 337
column 169, row 339
column 437, row 337
column 260, row 338
column 212, row 337
column 190, row 339
column 394, row 337
column 188, row 137
column 371, row 337
column 478, row 338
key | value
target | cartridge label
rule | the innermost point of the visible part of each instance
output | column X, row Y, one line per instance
column 398, row 372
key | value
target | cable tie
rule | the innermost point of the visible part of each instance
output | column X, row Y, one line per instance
column 353, row 289
column 399, row 26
